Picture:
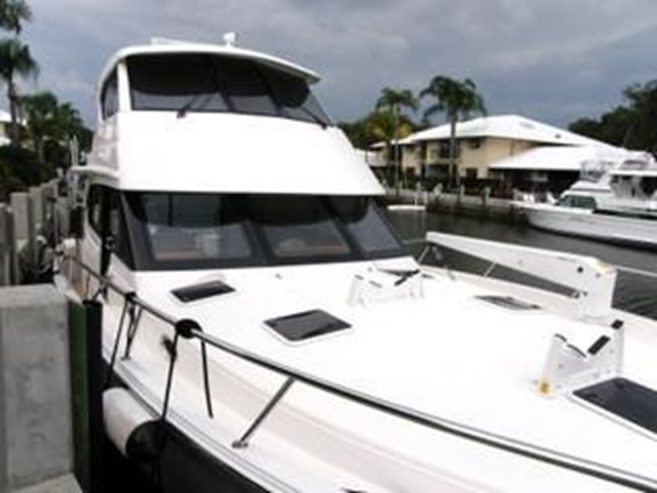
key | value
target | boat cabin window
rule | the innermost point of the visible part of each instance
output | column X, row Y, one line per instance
column 649, row 185
column 188, row 231
column 109, row 98
column 578, row 202
column 214, row 83
column 98, row 199
column 183, row 227
column 297, row 227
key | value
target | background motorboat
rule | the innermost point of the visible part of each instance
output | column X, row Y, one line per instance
column 620, row 205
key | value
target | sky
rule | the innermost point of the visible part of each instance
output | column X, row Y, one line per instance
column 551, row 60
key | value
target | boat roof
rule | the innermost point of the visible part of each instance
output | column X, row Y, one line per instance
column 168, row 46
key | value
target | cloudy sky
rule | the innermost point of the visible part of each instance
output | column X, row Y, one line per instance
column 553, row 60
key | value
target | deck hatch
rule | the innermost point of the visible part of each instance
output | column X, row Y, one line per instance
column 625, row 399
column 509, row 302
column 201, row 291
column 306, row 325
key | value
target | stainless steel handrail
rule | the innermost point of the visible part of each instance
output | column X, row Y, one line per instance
column 511, row 445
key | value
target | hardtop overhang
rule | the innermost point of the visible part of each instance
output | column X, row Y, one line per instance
column 166, row 48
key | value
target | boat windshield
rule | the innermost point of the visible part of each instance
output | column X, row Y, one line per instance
column 190, row 230
column 214, row 83
column 578, row 202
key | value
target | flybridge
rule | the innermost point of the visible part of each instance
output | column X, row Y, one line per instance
column 197, row 117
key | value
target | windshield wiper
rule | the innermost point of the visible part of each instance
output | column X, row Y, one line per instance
column 184, row 109
column 316, row 118
column 403, row 274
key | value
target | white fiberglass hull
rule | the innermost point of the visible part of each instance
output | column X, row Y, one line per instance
column 582, row 222
column 315, row 441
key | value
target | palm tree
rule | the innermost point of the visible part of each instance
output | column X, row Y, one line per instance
column 13, row 13
column 15, row 60
column 392, row 100
column 41, row 111
column 384, row 126
column 455, row 98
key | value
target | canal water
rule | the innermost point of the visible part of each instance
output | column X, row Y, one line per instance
column 634, row 292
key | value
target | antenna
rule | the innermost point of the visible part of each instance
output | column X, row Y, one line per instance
column 230, row 39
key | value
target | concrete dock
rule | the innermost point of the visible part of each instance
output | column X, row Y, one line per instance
column 36, row 430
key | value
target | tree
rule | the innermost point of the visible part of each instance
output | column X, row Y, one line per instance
column 643, row 104
column 15, row 60
column 13, row 13
column 454, row 98
column 51, row 126
column 392, row 101
column 631, row 125
column 41, row 109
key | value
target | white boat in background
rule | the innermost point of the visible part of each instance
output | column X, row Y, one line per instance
column 260, row 312
column 617, row 205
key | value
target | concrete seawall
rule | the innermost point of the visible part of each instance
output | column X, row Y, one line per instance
column 36, row 444
column 482, row 205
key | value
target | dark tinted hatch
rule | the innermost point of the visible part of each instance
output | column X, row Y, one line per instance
column 201, row 291
column 306, row 325
column 625, row 399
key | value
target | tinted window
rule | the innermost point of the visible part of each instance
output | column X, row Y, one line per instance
column 177, row 230
column 211, row 83
column 94, row 200
column 649, row 185
column 174, row 82
column 110, row 96
column 294, row 97
column 583, row 202
column 566, row 201
column 185, row 227
column 361, row 218
column 297, row 227
column 117, row 228
column 244, row 87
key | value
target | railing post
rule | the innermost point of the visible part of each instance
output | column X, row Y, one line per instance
column 243, row 441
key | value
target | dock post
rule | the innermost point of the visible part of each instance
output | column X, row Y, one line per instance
column 485, row 201
column 461, row 194
column 94, row 320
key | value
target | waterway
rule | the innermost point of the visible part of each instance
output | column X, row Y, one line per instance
column 634, row 292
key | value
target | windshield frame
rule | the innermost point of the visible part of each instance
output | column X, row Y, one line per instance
column 262, row 254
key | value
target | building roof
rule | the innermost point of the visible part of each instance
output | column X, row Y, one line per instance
column 506, row 127
column 563, row 158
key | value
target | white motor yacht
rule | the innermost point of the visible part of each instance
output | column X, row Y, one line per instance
column 266, row 329
column 618, row 206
